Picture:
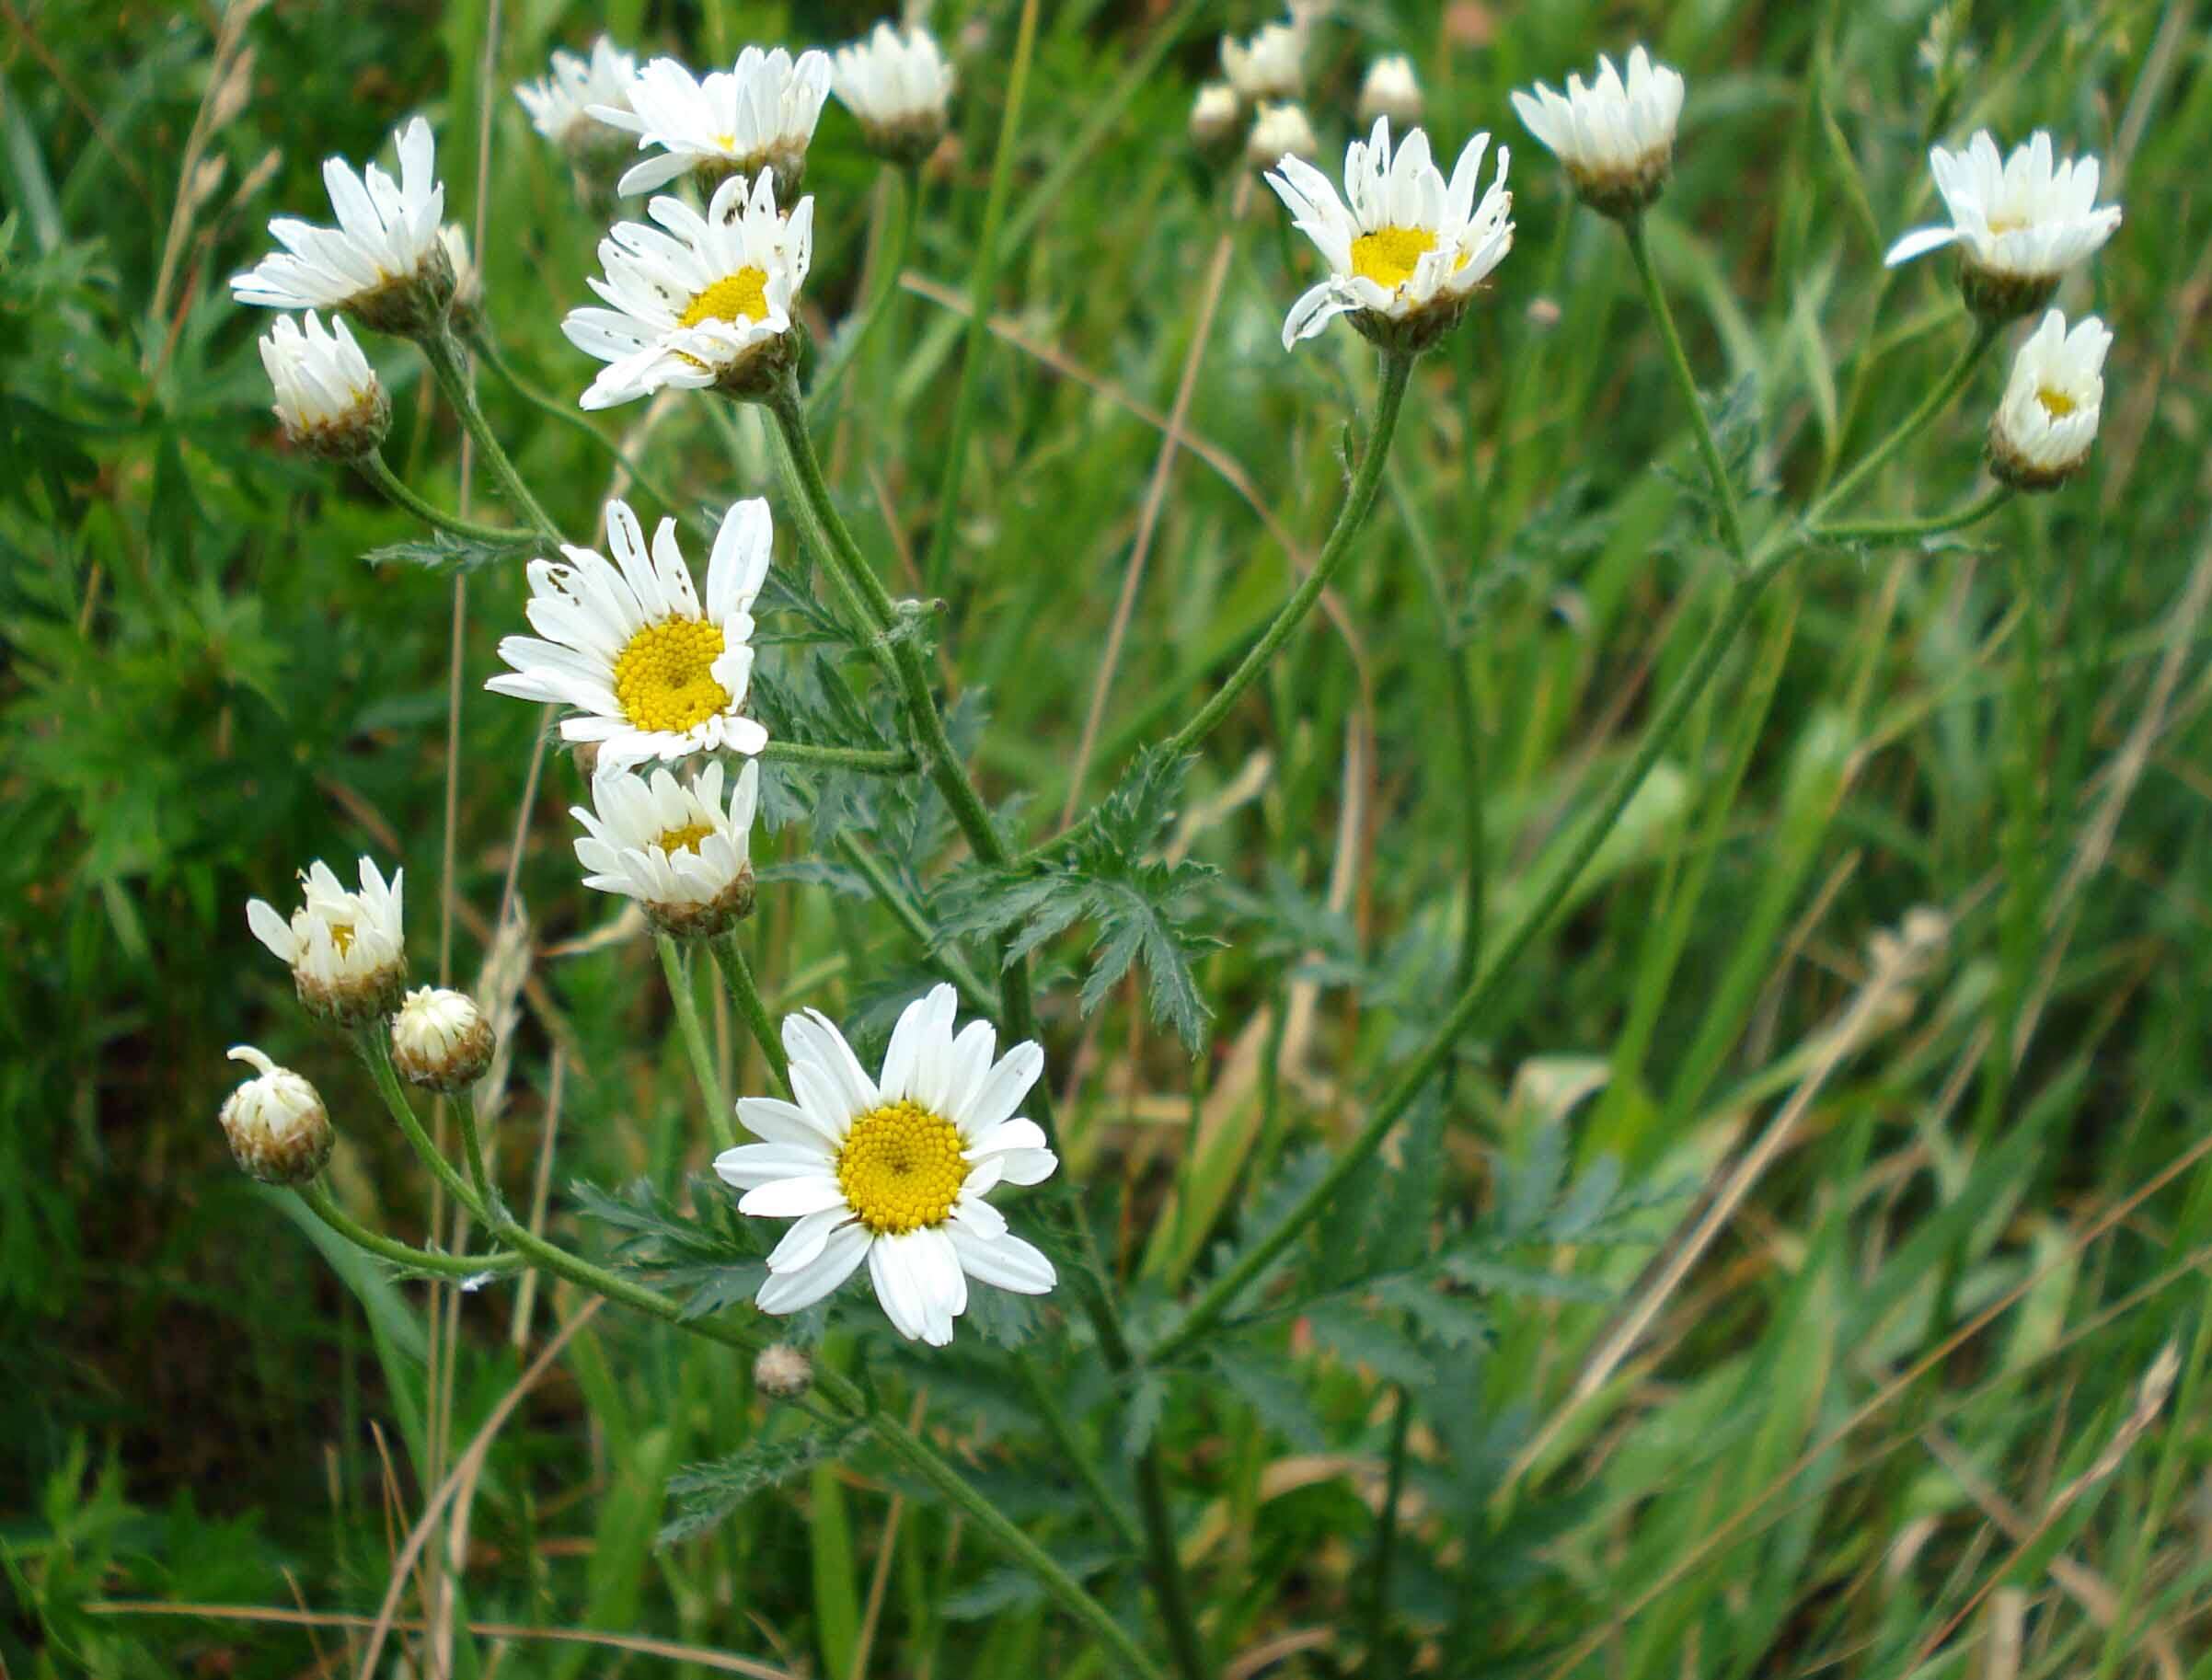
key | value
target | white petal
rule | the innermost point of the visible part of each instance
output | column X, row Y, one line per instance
column 791, row 1198
column 788, row 1292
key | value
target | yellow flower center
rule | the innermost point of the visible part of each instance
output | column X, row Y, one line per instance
column 1388, row 255
column 900, row 1169
column 341, row 935
column 735, row 298
column 683, row 839
column 2055, row 403
column 2005, row 224
column 664, row 678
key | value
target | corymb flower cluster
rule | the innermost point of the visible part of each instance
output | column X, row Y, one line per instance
column 650, row 667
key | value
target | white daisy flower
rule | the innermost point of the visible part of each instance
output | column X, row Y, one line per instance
column 696, row 301
column 1616, row 139
column 1213, row 116
column 441, row 1040
column 277, row 1127
column 2019, row 223
column 348, row 950
column 1270, row 66
column 673, row 846
column 383, row 261
column 328, row 399
column 2044, row 427
column 560, row 105
column 897, row 87
column 1392, row 90
column 894, row 1171
column 759, row 114
column 1409, row 254
column 1280, row 132
column 651, row 672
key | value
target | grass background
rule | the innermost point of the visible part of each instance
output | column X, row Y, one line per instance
column 1800, row 1468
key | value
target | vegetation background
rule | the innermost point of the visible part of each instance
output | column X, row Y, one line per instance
column 1894, row 1420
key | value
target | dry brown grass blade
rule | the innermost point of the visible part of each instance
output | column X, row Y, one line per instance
column 673, row 1650
column 1723, row 1533
column 466, row 1466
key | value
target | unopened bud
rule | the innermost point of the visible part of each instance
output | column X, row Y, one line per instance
column 278, row 1130
column 1391, row 90
column 782, row 1371
column 1213, row 117
column 441, row 1040
column 1280, row 132
column 328, row 399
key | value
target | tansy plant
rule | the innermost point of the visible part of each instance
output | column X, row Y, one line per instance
column 890, row 1136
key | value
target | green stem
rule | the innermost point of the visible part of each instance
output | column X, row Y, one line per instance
column 1938, row 399
column 847, row 348
column 1496, row 974
column 472, row 1147
column 1906, row 530
column 1056, row 1424
column 888, row 893
column 1168, row 1582
column 993, row 1522
column 379, row 1057
column 873, row 760
column 372, row 467
column 325, row 1207
column 695, row 1043
column 482, row 343
column 840, row 1391
column 980, row 283
column 1366, row 480
column 443, row 351
column 737, row 977
column 1731, row 524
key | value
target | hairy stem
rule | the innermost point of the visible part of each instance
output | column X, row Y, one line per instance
column 325, row 1207
column 1938, row 399
column 444, row 354
column 373, row 467
column 1483, row 990
column 485, row 346
column 1731, row 522
column 378, row 1054
column 694, row 1041
column 737, row 974
column 1366, row 480
column 1906, row 530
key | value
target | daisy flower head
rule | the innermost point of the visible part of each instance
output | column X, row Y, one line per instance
column 2044, row 427
column 896, row 86
column 675, row 846
column 894, row 1171
column 2019, row 222
column 277, row 1127
column 1280, row 132
column 560, row 104
column 328, row 399
column 650, row 671
column 758, row 115
column 698, row 301
column 1269, row 66
column 1616, row 138
column 347, row 951
column 1404, row 261
column 1391, row 90
column 441, row 1040
column 384, row 263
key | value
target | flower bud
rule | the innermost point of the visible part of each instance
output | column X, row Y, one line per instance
column 1391, row 90
column 1213, row 117
column 328, row 399
column 278, row 1130
column 441, row 1040
column 2045, row 427
column 1271, row 65
column 782, row 1371
column 467, row 280
column 347, row 950
column 1280, row 132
